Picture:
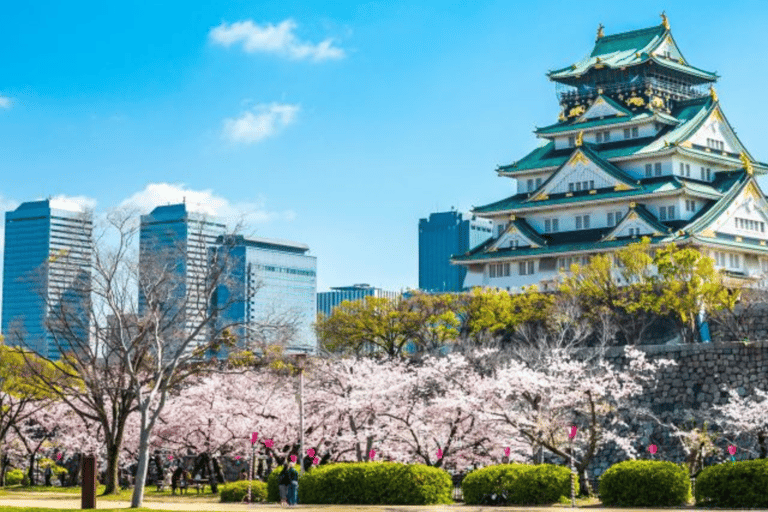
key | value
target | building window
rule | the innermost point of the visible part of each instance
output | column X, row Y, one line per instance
column 614, row 218
column 606, row 136
column 538, row 182
column 530, row 185
column 500, row 229
column 498, row 270
column 551, row 225
column 734, row 260
column 634, row 231
column 599, row 137
column 572, row 141
column 648, row 170
column 602, row 136
column 750, row 225
column 634, row 132
column 582, row 221
column 709, row 174
column 657, row 168
column 667, row 212
column 716, row 144
column 527, row 268
column 626, row 133
column 570, row 187
column 690, row 205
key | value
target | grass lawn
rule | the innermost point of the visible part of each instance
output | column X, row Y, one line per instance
column 150, row 493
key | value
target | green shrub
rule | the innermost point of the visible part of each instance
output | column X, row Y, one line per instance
column 234, row 492
column 14, row 477
column 645, row 483
column 370, row 483
column 742, row 484
column 517, row 484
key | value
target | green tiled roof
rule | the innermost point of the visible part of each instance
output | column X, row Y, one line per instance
column 585, row 245
column 734, row 182
column 548, row 156
column 528, row 231
column 692, row 113
column 648, row 186
column 629, row 49
column 592, row 123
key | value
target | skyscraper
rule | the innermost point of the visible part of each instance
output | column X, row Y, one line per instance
column 46, row 273
column 176, row 240
column 327, row 301
column 271, row 291
column 440, row 237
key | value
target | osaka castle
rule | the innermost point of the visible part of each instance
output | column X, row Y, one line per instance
column 641, row 148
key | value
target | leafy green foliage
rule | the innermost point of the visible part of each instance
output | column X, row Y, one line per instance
column 372, row 483
column 645, row 483
column 234, row 492
column 520, row 484
column 494, row 311
column 742, row 484
column 14, row 477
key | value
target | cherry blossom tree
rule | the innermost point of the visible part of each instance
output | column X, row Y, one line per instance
column 747, row 416
column 542, row 403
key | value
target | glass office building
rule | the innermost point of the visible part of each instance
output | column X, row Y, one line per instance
column 173, row 238
column 272, row 290
column 443, row 235
column 327, row 301
column 46, row 276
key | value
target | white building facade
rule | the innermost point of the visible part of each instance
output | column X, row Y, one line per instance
column 642, row 148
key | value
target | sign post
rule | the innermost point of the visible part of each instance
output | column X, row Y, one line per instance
column 88, row 490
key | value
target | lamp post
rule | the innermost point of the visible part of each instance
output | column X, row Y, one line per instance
column 254, row 438
column 571, row 435
column 300, row 362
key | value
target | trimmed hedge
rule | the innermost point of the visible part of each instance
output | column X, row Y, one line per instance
column 517, row 484
column 370, row 483
column 742, row 484
column 645, row 483
column 14, row 477
column 235, row 492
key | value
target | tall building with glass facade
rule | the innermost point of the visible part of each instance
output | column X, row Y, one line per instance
column 175, row 239
column 46, row 272
column 270, row 290
column 441, row 236
column 327, row 301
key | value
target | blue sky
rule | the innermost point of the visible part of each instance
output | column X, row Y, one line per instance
column 337, row 124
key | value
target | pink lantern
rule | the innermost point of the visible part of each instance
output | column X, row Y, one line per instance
column 237, row 458
column 732, row 450
column 371, row 454
column 254, row 437
column 269, row 443
column 653, row 448
column 170, row 457
column 58, row 456
column 439, row 453
column 311, row 452
column 293, row 458
column 506, row 451
column 316, row 461
column 572, row 434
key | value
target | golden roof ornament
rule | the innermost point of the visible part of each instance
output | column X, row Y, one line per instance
column 600, row 32
column 664, row 20
column 712, row 93
column 747, row 163
column 580, row 138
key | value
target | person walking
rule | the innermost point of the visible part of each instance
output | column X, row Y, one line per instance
column 293, row 488
column 284, row 482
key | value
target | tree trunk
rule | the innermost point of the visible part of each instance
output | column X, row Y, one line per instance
column 761, row 441
column 3, row 467
column 584, row 488
column 219, row 473
column 112, row 478
column 141, row 472
column 211, row 475
column 31, row 470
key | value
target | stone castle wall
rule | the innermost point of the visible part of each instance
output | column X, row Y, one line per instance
column 703, row 377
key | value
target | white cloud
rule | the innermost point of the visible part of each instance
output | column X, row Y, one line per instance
column 259, row 123
column 204, row 201
column 5, row 101
column 73, row 203
column 278, row 39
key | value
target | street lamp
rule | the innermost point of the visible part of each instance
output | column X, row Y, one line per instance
column 301, row 359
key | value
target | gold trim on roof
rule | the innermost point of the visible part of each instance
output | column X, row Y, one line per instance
column 747, row 163
column 712, row 93
column 664, row 19
column 621, row 187
column 580, row 139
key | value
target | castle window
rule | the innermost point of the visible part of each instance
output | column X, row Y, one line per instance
column 634, row 132
column 572, row 141
column 526, row 268
column 667, row 212
column 648, row 170
column 657, row 168
column 551, row 225
column 626, row 133
column 690, row 205
column 582, row 221
column 538, row 182
column 498, row 270
column 716, row 144
column 614, row 218
column 530, row 185
column 599, row 137
column 734, row 260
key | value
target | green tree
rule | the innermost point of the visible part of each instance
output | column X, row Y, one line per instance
column 686, row 285
column 494, row 312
